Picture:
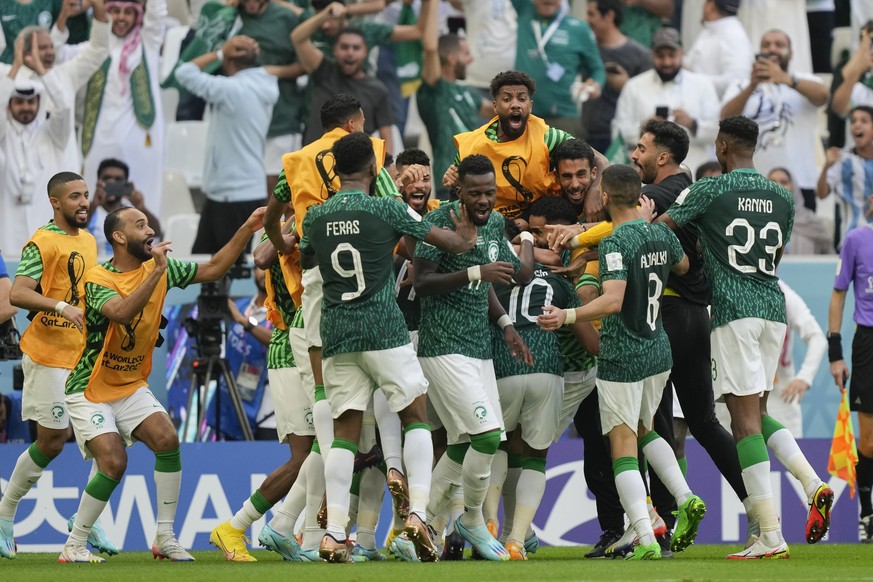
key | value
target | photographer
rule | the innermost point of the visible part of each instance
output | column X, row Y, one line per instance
column 113, row 191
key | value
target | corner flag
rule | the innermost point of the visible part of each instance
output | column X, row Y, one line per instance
column 844, row 453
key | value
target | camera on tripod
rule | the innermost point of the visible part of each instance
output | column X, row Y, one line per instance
column 209, row 328
column 9, row 340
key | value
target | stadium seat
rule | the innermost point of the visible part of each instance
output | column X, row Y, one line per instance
column 186, row 150
column 171, row 49
column 181, row 230
column 176, row 196
column 178, row 9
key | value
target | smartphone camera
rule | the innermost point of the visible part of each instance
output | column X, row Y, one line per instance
column 611, row 68
column 118, row 189
column 662, row 111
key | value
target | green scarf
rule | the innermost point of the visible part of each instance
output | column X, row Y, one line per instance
column 140, row 92
column 213, row 29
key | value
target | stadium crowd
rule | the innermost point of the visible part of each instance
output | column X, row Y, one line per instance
column 508, row 216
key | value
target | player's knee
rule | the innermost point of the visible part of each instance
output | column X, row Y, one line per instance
column 166, row 441
column 113, row 466
column 52, row 445
column 486, row 443
column 865, row 445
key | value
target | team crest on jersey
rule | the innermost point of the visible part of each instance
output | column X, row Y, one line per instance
column 57, row 411
column 480, row 412
column 44, row 19
column 307, row 418
column 97, row 420
column 493, row 251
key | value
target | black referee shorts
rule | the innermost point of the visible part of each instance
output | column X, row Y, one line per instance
column 861, row 383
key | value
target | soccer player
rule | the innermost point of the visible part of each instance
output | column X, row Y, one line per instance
column 108, row 397
column 353, row 235
column 307, row 179
column 635, row 357
column 743, row 221
column 293, row 413
column 856, row 267
column 454, row 347
column 50, row 283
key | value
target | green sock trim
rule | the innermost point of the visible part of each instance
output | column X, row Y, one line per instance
column 534, row 464
column 623, row 464
column 168, row 461
column 260, row 502
column 315, row 448
column 101, row 487
column 486, row 443
column 416, row 426
column 513, row 461
column 319, row 393
column 769, row 425
column 355, row 489
column 37, row 456
column 457, row 452
column 344, row 444
column 650, row 436
column 683, row 465
column 752, row 450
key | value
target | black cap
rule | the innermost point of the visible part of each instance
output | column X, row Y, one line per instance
column 666, row 37
column 728, row 6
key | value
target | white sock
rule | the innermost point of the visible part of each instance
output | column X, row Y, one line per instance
column 418, row 458
column 531, row 486
column 286, row 515
column 510, row 489
column 446, row 477
column 312, row 534
column 785, row 448
column 389, row 432
column 474, row 475
column 24, row 476
column 167, row 486
column 495, row 485
column 338, row 480
column 246, row 516
column 662, row 459
column 89, row 510
column 632, row 494
column 322, row 419
column 757, row 481
column 371, row 493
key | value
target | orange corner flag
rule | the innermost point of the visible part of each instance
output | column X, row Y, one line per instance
column 844, row 453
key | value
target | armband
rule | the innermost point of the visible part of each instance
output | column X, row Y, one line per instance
column 474, row 273
column 59, row 308
column 504, row 321
column 835, row 347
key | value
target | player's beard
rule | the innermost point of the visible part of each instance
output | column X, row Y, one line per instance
column 76, row 222
column 138, row 249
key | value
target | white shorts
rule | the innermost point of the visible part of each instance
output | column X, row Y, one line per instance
column 349, row 379
column 630, row 402
column 297, row 340
column 534, row 401
column 291, row 406
column 311, row 300
column 43, row 398
column 745, row 354
column 464, row 395
column 278, row 146
column 577, row 387
column 122, row 416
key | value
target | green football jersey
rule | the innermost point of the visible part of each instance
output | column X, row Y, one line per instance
column 353, row 236
column 744, row 221
column 633, row 343
column 457, row 322
column 576, row 358
column 524, row 305
column 279, row 353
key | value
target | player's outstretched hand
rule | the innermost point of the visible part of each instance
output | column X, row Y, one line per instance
column 499, row 272
column 552, row 318
column 74, row 315
column 840, row 372
column 450, row 178
column 517, row 348
column 464, row 227
column 647, row 208
column 560, row 235
column 159, row 254
column 256, row 221
column 574, row 270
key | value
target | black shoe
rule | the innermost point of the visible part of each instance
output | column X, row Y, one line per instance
column 608, row 538
column 454, row 548
column 369, row 459
column 664, row 542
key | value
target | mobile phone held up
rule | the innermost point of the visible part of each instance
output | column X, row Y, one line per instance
column 118, row 189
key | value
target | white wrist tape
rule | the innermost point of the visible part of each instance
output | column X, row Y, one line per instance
column 59, row 308
column 474, row 273
column 504, row 321
column 571, row 316
column 219, row 56
column 573, row 243
column 526, row 236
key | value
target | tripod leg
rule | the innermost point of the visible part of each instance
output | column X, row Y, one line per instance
column 236, row 401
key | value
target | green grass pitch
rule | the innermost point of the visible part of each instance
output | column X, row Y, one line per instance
column 820, row 562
